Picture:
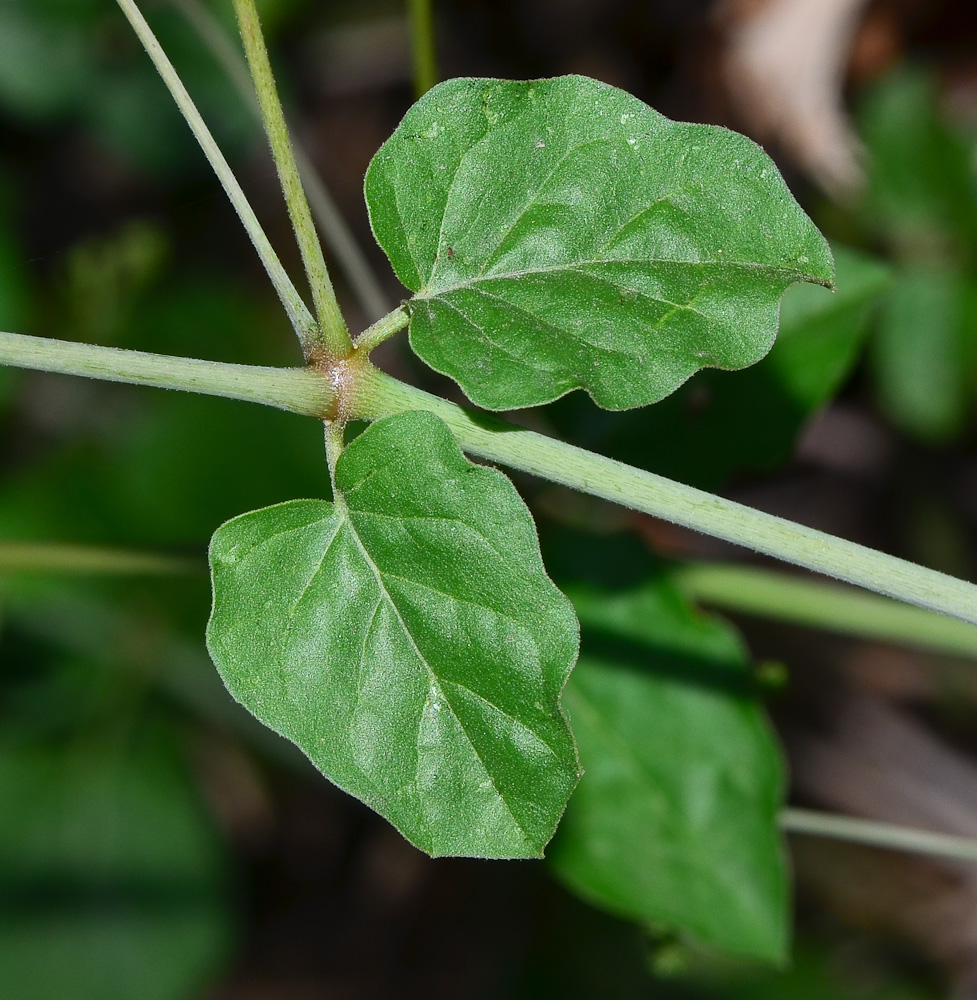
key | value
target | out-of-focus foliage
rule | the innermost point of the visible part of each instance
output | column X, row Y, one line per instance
column 921, row 203
column 675, row 820
column 79, row 61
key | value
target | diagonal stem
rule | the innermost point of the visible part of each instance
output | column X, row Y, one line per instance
column 337, row 234
column 377, row 395
column 332, row 334
column 299, row 316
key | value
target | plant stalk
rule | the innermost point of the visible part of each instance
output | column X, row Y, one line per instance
column 298, row 314
column 383, row 329
column 299, row 390
column 332, row 334
column 423, row 45
column 887, row 835
column 332, row 226
column 785, row 597
column 377, row 395
column 61, row 559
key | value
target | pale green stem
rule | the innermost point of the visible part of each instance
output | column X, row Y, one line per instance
column 378, row 395
column 299, row 316
column 332, row 226
column 55, row 557
column 335, row 442
column 767, row 593
column 299, row 390
column 382, row 330
column 888, row 835
column 423, row 46
column 332, row 333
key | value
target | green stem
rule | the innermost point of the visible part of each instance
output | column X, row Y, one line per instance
column 423, row 46
column 299, row 316
column 332, row 226
column 332, row 333
column 384, row 328
column 54, row 557
column 864, row 831
column 377, row 395
column 770, row 594
column 299, row 390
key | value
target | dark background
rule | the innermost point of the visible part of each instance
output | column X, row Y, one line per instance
column 153, row 841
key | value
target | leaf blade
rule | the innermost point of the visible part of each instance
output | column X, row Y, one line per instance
column 413, row 647
column 675, row 821
column 560, row 234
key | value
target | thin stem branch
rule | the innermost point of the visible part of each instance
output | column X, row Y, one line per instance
column 423, row 45
column 778, row 596
column 377, row 394
column 299, row 390
column 332, row 332
column 299, row 316
column 382, row 330
column 332, row 226
column 335, row 442
column 888, row 835
column 59, row 558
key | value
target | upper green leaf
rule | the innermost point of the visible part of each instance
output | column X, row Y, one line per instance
column 407, row 638
column 720, row 424
column 561, row 234
column 675, row 821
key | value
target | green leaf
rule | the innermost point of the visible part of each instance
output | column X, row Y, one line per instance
column 408, row 640
column 560, row 234
column 675, row 820
column 922, row 352
column 922, row 190
column 719, row 424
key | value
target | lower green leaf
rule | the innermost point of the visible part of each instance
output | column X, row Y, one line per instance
column 675, row 822
column 408, row 640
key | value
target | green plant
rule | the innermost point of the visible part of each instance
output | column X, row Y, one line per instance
column 405, row 634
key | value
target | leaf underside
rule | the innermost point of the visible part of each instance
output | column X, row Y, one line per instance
column 407, row 638
column 675, row 821
column 560, row 234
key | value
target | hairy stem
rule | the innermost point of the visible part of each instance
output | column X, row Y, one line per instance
column 379, row 395
column 332, row 332
column 864, row 831
column 374, row 394
column 423, row 47
column 299, row 390
column 784, row 597
column 299, row 316
column 332, row 226
column 384, row 328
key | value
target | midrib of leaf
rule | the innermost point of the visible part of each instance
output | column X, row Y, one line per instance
column 611, row 351
column 435, row 681
column 470, row 284
column 627, row 752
